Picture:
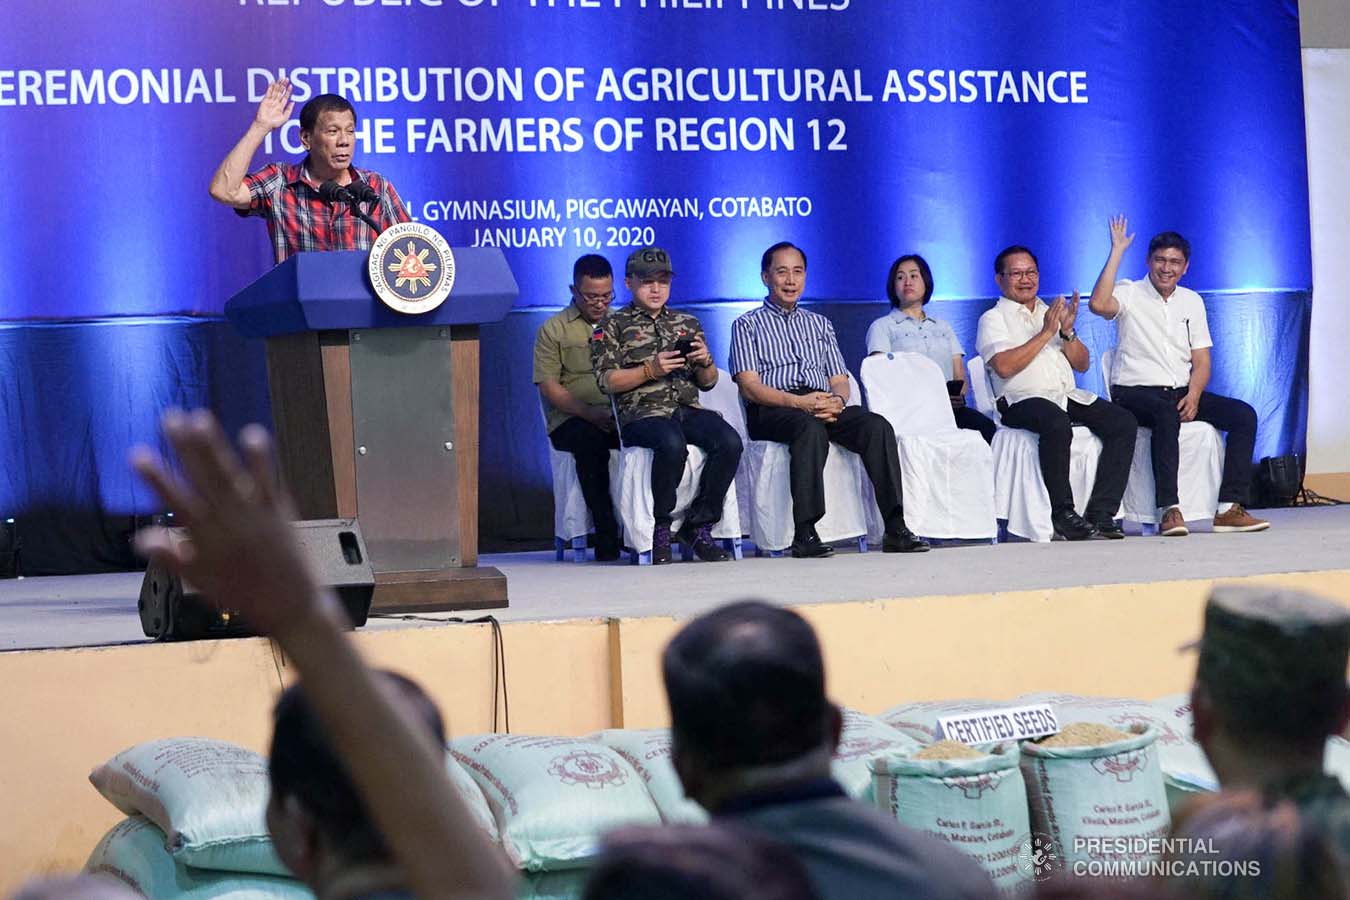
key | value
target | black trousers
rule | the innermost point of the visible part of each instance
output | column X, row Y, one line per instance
column 1113, row 424
column 590, row 446
column 1156, row 408
column 808, row 438
column 972, row 419
column 667, row 438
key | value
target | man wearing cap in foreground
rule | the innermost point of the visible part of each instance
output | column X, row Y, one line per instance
column 654, row 361
column 1269, row 690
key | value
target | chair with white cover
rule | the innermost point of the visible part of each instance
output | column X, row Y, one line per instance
column 725, row 399
column 1020, row 497
column 767, row 465
column 948, row 472
column 631, row 487
column 1200, row 449
column 572, row 522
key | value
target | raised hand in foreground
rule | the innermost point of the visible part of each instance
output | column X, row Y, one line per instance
column 242, row 554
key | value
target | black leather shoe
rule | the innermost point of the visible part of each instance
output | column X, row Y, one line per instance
column 806, row 544
column 700, row 542
column 606, row 547
column 1108, row 530
column 902, row 540
column 661, row 545
column 1070, row 526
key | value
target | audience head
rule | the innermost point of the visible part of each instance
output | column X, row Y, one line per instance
column 909, row 277
column 746, row 685
column 316, row 816
column 592, row 286
column 1258, row 847
column 711, row 862
column 782, row 268
column 1017, row 272
column 1270, row 680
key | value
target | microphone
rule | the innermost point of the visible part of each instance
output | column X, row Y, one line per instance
column 362, row 192
column 332, row 192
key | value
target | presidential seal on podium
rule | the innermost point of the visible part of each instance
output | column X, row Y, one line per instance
column 411, row 267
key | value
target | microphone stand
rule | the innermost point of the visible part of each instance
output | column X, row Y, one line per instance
column 356, row 211
column 333, row 192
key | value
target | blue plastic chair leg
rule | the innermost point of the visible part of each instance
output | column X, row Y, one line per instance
column 579, row 549
column 862, row 544
column 558, row 545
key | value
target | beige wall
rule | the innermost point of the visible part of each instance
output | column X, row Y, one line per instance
column 1324, row 23
column 79, row 707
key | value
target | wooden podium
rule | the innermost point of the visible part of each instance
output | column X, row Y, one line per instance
column 376, row 416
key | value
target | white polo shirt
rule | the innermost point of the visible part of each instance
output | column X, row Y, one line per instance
column 1009, row 325
column 1155, row 336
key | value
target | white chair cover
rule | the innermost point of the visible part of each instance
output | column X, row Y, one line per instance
column 631, row 486
column 1020, row 497
column 767, row 491
column 571, row 517
column 1199, row 468
column 725, row 398
column 948, row 473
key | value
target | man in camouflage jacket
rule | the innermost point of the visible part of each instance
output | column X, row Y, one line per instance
column 654, row 361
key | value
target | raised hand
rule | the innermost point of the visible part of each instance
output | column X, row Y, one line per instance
column 275, row 108
column 1120, row 239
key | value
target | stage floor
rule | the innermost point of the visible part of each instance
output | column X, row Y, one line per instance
column 99, row 610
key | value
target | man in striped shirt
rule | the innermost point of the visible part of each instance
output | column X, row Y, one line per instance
column 787, row 363
column 287, row 195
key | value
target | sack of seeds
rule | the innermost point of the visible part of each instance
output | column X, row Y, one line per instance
column 919, row 720
column 1092, row 784
column 648, row 752
column 864, row 738
column 974, row 800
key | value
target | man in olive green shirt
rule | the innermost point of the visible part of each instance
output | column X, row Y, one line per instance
column 1269, row 690
column 577, row 413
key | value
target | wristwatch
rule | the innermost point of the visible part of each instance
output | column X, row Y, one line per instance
column 1070, row 337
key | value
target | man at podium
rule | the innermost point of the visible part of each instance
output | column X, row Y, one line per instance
column 291, row 197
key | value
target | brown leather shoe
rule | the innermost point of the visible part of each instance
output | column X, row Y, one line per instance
column 1173, row 525
column 1238, row 519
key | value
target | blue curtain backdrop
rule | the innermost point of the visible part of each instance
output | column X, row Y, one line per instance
column 1185, row 115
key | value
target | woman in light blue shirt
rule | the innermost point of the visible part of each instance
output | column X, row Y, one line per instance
column 906, row 329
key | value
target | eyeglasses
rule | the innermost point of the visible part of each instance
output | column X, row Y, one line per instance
column 596, row 298
column 1019, row 274
column 1176, row 261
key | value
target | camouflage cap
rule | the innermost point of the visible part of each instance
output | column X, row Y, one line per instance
column 647, row 261
column 1264, row 646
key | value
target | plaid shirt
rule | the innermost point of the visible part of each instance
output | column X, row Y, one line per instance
column 299, row 221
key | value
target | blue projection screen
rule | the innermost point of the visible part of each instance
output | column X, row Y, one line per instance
column 858, row 129
column 710, row 127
